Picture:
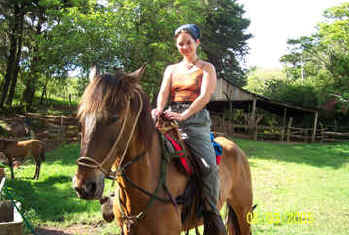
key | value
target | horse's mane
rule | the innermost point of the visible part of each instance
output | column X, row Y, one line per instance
column 108, row 94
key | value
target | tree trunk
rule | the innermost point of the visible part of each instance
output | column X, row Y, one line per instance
column 44, row 92
column 29, row 91
column 18, row 57
column 9, row 71
column 15, row 53
column 10, row 66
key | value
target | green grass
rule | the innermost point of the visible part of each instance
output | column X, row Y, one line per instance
column 299, row 189
column 51, row 200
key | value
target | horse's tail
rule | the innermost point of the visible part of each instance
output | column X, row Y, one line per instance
column 232, row 220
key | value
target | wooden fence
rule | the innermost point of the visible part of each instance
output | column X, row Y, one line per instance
column 284, row 134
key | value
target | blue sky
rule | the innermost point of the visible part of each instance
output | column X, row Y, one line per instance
column 273, row 22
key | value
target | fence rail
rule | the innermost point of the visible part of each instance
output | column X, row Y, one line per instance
column 283, row 133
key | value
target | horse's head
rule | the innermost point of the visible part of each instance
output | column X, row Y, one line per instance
column 109, row 112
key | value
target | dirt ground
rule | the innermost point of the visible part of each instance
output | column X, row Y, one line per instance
column 78, row 229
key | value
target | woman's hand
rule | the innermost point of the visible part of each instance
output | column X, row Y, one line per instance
column 155, row 113
column 175, row 116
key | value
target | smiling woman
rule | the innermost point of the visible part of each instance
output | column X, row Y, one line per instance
column 189, row 86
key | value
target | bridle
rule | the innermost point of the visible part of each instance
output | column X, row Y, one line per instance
column 91, row 163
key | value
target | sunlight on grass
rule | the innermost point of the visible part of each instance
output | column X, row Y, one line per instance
column 299, row 189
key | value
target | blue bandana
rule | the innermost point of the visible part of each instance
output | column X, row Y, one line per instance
column 192, row 29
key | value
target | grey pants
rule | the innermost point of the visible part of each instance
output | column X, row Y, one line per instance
column 196, row 133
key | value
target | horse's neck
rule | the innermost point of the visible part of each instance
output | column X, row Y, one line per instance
column 144, row 173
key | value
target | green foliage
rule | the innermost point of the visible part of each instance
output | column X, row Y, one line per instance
column 225, row 40
column 60, row 36
column 323, row 60
column 258, row 78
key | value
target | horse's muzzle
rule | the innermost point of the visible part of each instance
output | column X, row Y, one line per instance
column 89, row 190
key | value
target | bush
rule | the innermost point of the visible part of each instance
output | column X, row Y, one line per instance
column 292, row 92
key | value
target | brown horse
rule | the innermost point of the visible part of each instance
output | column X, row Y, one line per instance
column 19, row 150
column 118, row 133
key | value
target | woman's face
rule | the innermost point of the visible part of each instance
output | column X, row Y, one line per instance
column 186, row 44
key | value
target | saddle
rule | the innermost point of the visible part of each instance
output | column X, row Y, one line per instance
column 193, row 167
column 175, row 145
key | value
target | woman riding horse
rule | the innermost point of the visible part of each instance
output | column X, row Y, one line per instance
column 119, row 140
column 190, row 85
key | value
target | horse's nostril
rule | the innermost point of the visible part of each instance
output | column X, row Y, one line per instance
column 91, row 188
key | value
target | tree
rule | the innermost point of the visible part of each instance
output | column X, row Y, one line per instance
column 59, row 36
column 13, row 19
column 26, row 21
column 323, row 58
column 225, row 41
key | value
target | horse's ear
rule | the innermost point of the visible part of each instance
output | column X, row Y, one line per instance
column 136, row 75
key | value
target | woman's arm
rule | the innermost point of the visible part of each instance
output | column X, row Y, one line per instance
column 164, row 89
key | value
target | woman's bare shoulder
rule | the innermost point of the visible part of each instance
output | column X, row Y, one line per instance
column 204, row 65
column 171, row 67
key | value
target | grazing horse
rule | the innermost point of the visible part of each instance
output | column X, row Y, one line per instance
column 19, row 150
column 119, row 141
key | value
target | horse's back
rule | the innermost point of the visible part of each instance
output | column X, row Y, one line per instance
column 24, row 147
column 234, row 169
column 231, row 151
column 33, row 142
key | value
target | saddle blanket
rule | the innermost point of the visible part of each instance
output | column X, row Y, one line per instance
column 174, row 147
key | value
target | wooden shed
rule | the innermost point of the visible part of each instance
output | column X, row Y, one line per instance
column 229, row 96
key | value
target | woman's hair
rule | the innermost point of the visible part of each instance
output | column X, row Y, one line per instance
column 192, row 29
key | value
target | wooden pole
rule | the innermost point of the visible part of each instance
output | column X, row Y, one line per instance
column 253, row 122
column 283, row 125
column 289, row 129
column 315, row 126
column 223, row 124
column 254, row 108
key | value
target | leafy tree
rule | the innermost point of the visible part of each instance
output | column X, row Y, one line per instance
column 258, row 78
column 26, row 21
column 324, row 58
column 225, row 41
column 58, row 36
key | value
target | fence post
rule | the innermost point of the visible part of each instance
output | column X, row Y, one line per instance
column 289, row 129
column 61, row 134
column 283, row 130
column 315, row 126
